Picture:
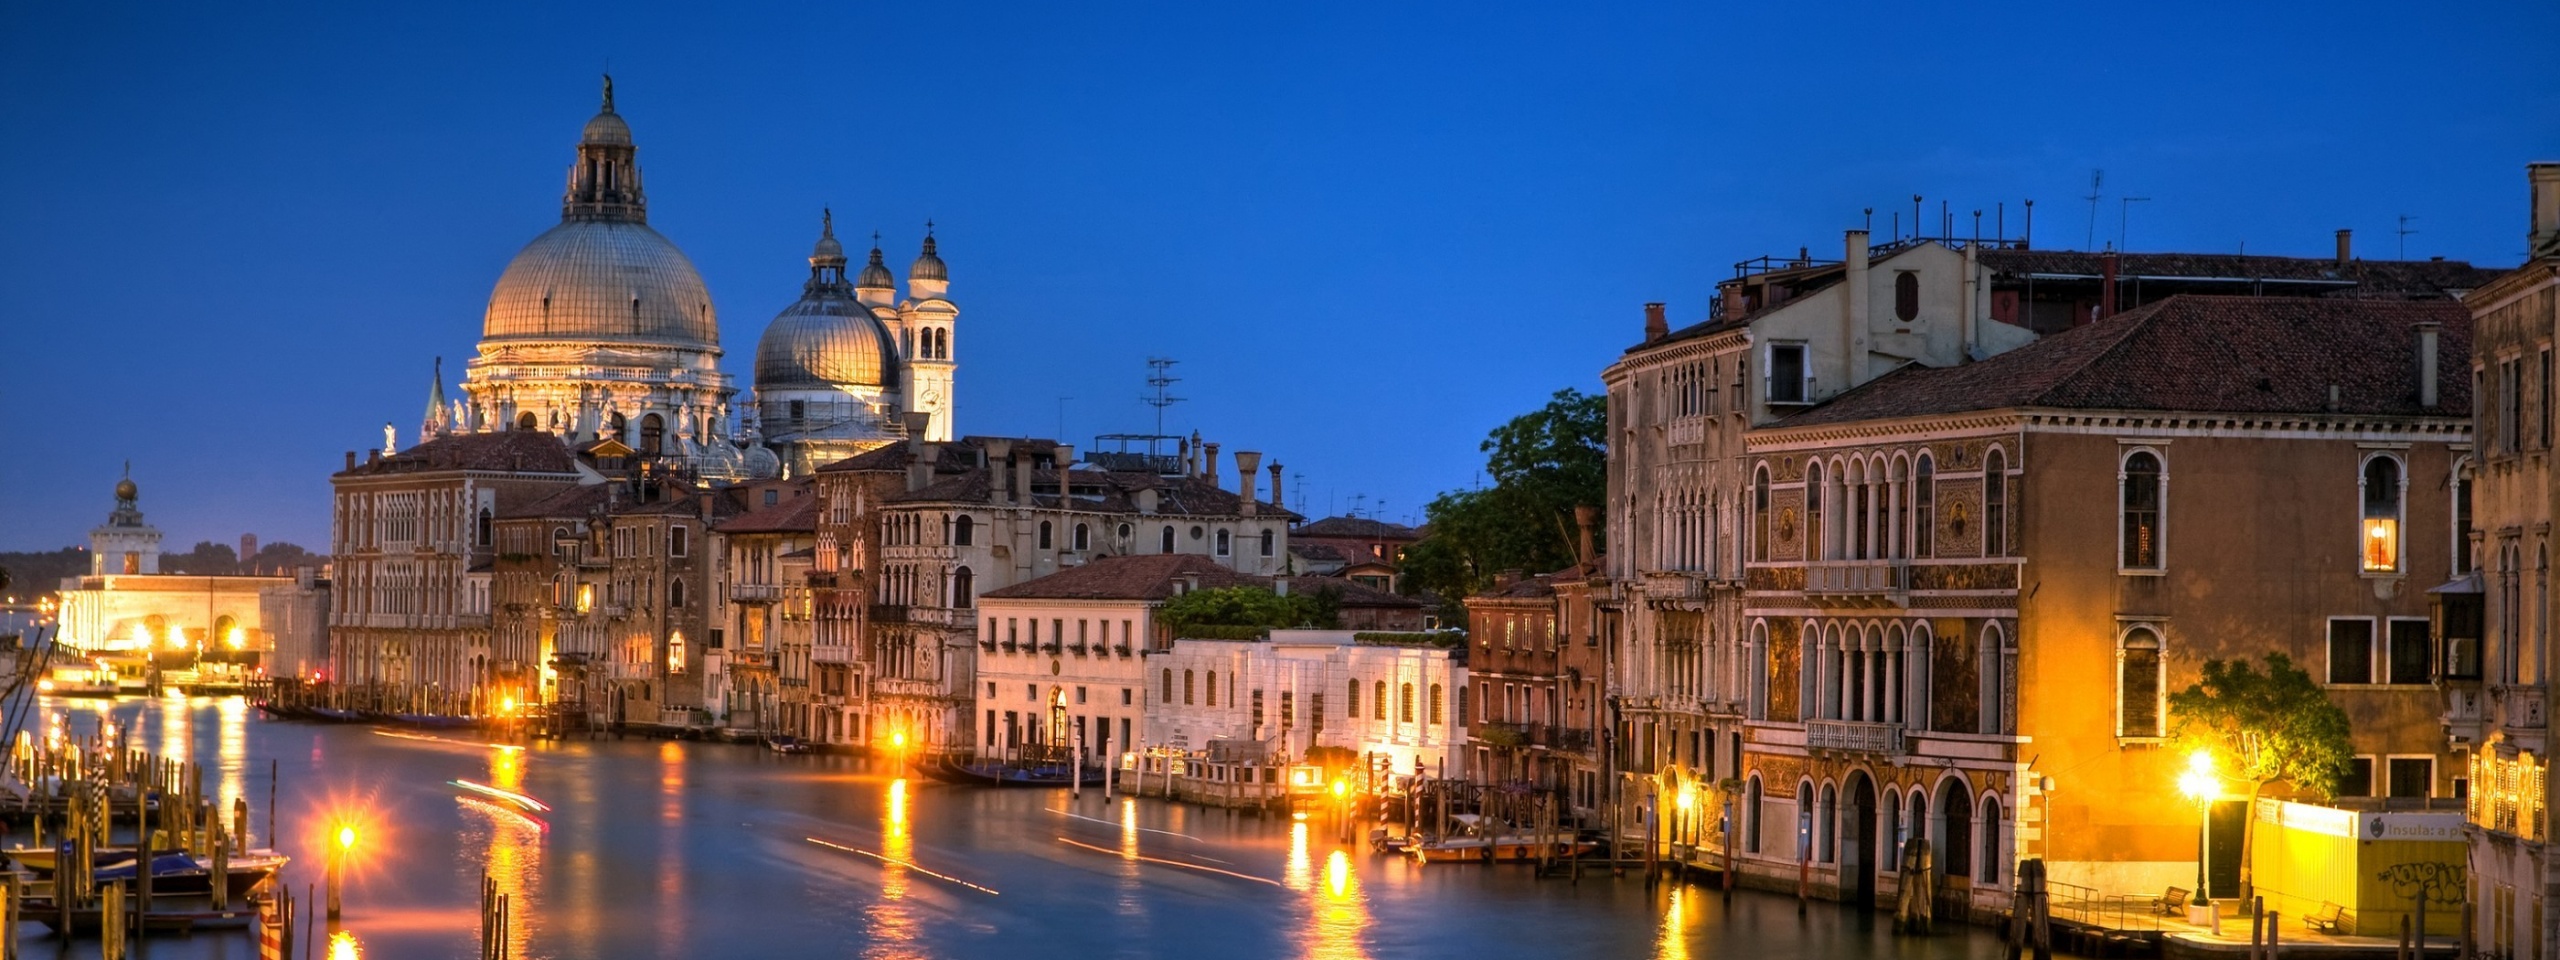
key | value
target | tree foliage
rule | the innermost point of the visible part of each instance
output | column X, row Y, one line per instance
column 2265, row 727
column 1543, row 464
column 1246, row 607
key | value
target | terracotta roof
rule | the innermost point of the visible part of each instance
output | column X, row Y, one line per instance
column 523, row 451
column 797, row 514
column 2258, row 355
column 574, row 502
column 2378, row 279
column 1317, row 551
column 1367, row 528
column 1137, row 577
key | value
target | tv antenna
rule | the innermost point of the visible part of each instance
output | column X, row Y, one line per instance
column 2124, row 212
column 2404, row 237
column 2097, row 178
column 1160, row 378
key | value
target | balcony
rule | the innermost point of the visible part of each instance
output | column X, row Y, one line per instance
column 2464, row 710
column 755, row 592
column 888, row 613
column 1858, row 582
column 1661, row 585
column 1854, row 736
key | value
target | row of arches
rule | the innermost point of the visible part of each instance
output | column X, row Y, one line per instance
column 1882, row 506
column 1861, row 829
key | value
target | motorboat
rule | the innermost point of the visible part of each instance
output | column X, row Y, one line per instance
column 1006, row 773
column 786, row 743
column 1473, row 840
column 83, row 679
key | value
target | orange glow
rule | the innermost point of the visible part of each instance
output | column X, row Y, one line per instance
column 346, row 837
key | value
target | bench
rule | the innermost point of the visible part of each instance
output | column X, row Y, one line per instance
column 2169, row 904
column 2330, row 918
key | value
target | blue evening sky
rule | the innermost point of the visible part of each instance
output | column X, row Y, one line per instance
column 232, row 240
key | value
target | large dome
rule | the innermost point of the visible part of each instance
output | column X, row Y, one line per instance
column 825, row 343
column 602, row 280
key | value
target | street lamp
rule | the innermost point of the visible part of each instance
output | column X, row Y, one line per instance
column 337, row 863
column 2200, row 784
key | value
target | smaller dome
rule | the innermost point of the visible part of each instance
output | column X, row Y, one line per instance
column 928, row 265
column 828, row 253
column 875, row 273
column 762, row 463
column 824, row 343
column 125, row 490
column 607, row 128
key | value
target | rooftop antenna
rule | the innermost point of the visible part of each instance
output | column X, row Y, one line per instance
column 2404, row 237
column 2124, row 208
column 1062, row 415
column 1159, row 378
column 1871, row 221
column 2097, row 178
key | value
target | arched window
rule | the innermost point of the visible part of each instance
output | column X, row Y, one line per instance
column 1044, row 534
column 1756, row 692
column 675, row 593
column 1187, row 688
column 2141, row 537
column 1084, row 538
column 1815, row 547
column 1915, row 686
column 964, row 588
column 1404, row 702
column 1955, row 825
column 2464, row 560
column 2380, row 535
column 1168, row 687
column 653, row 435
column 527, row 421
column 1168, row 539
column 1213, row 688
column 1378, row 701
column 1906, row 296
column 1917, row 816
column 1804, row 819
column 964, row 531
column 2138, row 690
column 1924, row 505
column 1224, row 543
column 1751, row 815
column 488, row 530
column 1351, row 702
column 621, row 428
column 1826, row 818
column 1987, row 869
column 1994, row 673
column 1269, row 541
column 1760, row 513
column 1435, row 705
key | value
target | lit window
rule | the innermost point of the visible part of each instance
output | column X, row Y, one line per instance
column 2141, row 483
column 2380, row 539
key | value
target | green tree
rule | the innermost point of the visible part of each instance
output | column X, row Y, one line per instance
column 1543, row 463
column 1243, row 607
column 2275, row 726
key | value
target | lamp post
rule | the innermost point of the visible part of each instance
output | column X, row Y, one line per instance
column 2200, row 783
column 338, row 864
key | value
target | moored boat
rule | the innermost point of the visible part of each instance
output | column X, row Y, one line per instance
column 1472, row 841
column 1006, row 773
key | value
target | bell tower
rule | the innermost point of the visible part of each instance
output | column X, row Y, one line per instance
column 930, row 319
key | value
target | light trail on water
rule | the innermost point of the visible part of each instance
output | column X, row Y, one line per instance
column 909, row 864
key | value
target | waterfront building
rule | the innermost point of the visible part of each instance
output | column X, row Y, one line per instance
column 1060, row 658
column 911, row 534
column 126, row 604
column 124, row 544
column 759, row 675
column 2496, row 615
column 1537, row 670
column 1366, row 550
column 1969, row 591
column 1395, row 702
column 296, row 618
column 546, row 625
column 413, row 544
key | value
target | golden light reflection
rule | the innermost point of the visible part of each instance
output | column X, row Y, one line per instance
column 343, row 946
column 893, row 923
column 1337, row 912
column 514, row 858
column 231, row 745
column 1673, row 943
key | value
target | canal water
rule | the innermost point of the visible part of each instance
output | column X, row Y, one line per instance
column 694, row 850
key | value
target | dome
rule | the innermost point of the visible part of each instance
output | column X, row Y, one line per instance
column 876, row 274
column 825, row 342
column 762, row 464
column 928, row 265
column 603, row 280
column 125, row 490
column 608, row 128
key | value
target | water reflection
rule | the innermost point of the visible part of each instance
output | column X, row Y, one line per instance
column 1337, row 916
column 1673, row 941
column 343, row 946
column 513, row 856
column 893, row 922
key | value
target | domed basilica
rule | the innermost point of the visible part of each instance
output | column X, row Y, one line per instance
column 601, row 328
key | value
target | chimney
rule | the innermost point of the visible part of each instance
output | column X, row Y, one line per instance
column 1064, row 458
column 2545, row 177
column 351, row 459
column 1191, row 467
column 1147, row 501
column 1582, row 517
column 1209, row 467
column 706, row 506
column 1656, row 326
column 920, row 467
column 1022, row 477
column 1248, row 472
column 373, row 455
column 2108, row 265
column 997, row 452
column 916, row 422
column 2427, row 360
column 1275, row 487
column 2346, row 245
column 1853, row 311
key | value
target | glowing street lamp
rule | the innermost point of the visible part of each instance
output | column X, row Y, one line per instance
column 338, row 854
column 2201, row 784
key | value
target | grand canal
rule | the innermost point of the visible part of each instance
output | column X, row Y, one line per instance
column 691, row 850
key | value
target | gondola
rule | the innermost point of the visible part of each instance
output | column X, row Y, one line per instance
column 1005, row 773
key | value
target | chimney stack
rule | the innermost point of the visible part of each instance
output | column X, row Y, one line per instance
column 1063, row 458
column 351, row 459
column 2427, row 360
column 1248, row 470
column 1147, row 501
column 2346, row 245
column 1209, row 463
column 997, row 453
column 1022, row 477
column 2110, row 266
column 2545, row 177
column 706, row 506
column 1853, row 310
column 373, row 455
column 920, row 466
column 1275, row 487
column 1656, row 326
column 916, row 422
